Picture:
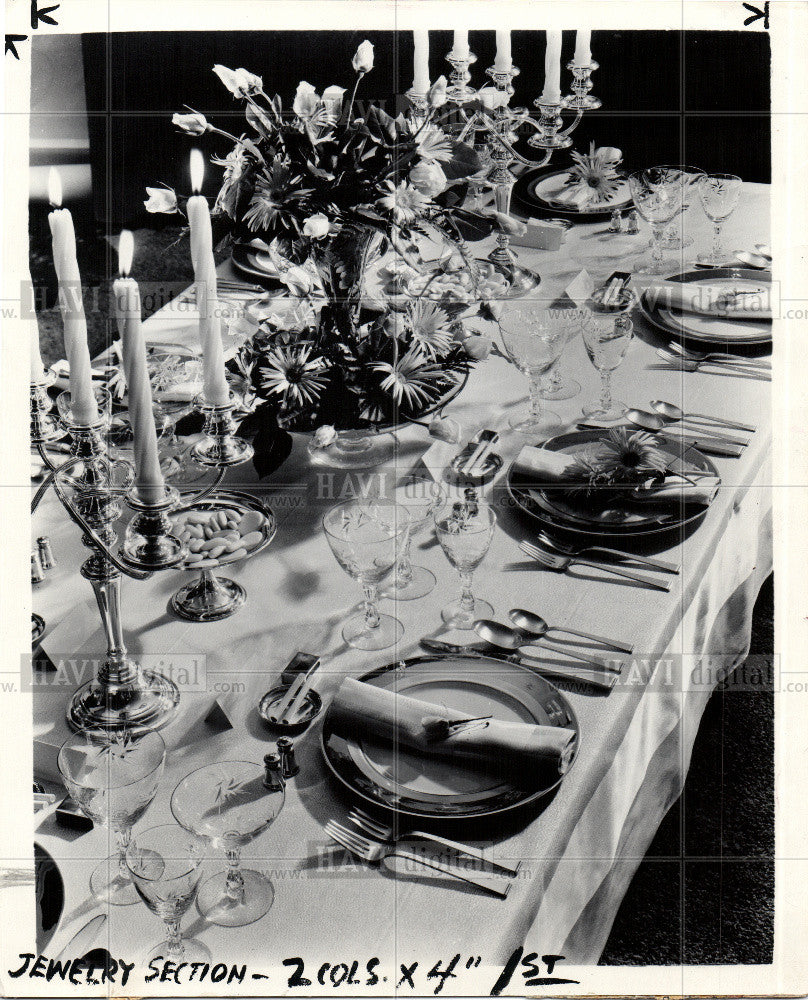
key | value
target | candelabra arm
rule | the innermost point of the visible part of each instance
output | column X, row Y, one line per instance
column 43, row 489
column 43, row 454
column 101, row 546
column 575, row 122
column 204, row 494
column 470, row 123
column 525, row 161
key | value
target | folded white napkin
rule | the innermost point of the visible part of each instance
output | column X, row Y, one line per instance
column 711, row 299
column 545, row 465
column 573, row 197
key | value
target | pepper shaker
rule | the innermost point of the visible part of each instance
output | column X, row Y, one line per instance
column 616, row 222
column 273, row 777
column 37, row 573
column 286, row 750
column 633, row 223
column 46, row 556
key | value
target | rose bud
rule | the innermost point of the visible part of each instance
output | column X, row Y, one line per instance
column 249, row 82
column 477, row 346
column 363, row 58
column 229, row 78
column 161, row 200
column 436, row 96
column 445, row 429
column 193, row 124
column 316, row 226
column 332, row 99
column 324, row 436
column 428, row 178
column 306, row 101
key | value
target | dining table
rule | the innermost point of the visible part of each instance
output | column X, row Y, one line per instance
column 577, row 852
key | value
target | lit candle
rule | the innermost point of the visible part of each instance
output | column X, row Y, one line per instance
column 215, row 388
column 583, row 53
column 126, row 294
column 503, row 61
column 71, row 306
column 420, row 79
column 460, row 48
column 37, row 367
column 552, row 69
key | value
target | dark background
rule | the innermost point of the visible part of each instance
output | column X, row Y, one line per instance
column 668, row 96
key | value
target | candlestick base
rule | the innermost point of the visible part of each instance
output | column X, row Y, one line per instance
column 459, row 91
column 419, row 112
column 148, row 542
column 549, row 134
column 148, row 702
column 44, row 426
column 221, row 448
column 580, row 99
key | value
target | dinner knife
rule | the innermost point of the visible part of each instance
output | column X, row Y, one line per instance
column 588, row 675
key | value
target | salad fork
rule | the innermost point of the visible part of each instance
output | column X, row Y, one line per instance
column 374, row 852
column 570, row 550
column 702, row 356
column 385, row 833
column 554, row 561
column 734, row 367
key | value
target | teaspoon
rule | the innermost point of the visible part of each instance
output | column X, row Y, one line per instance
column 533, row 625
column 511, row 638
column 654, row 423
column 671, row 412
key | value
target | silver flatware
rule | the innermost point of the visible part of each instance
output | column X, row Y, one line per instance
column 381, row 831
column 571, row 550
column 560, row 564
column 673, row 412
column 704, row 442
column 686, row 352
column 535, row 625
column 593, row 676
column 655, row 423
column 514, row 638
column 717, row 367
column 374, row 852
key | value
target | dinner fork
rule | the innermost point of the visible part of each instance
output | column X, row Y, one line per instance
column 570, row 550
column 374, row 852
column 702, row 356
column 384, row 832
column 734, row 368
column 554, row 561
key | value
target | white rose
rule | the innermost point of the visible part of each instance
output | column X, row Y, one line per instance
column 306, row 100
column 428, row 178
column 477, row 346
column 229, row 78
column 249, row 83
column 332, row 99
column 610, row 154
column 161, row 200
column 363, row 58
column 436, row 97
column 316, row 226
column 193, row 124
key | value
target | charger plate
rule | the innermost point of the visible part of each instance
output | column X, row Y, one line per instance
column 423, row 787
column 538, row 189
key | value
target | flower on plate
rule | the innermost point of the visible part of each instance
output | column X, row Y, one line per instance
column 594, row 174
column 411, row 379
column 363, row 58
column 404, row 201
column 193, row 123
column 316, row 226
column 434, row 144
column 291, row 372
column 627, row 456
column 436, row 95
column 430, row 327
column 307, row 101
column 162, row 199
column 428, row 178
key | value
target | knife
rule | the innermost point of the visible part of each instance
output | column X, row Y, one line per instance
column 80, row 943
column 589, row 675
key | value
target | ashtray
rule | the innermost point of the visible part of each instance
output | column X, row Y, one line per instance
column 309, row 710
column 484, row 472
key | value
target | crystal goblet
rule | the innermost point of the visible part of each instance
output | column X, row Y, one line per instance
column 113, row 779
column 556, row 385
column 607, row 335
column 465, row 530
column 675, row 238
column 534, row 339
column 164, row 863
column 229, row 805
column 420, row 498
column 719, row 195
column 657, row 194
column 366, row 537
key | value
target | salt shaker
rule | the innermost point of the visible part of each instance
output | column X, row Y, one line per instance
column 286, row 750
column 37, row 573
column 616, row 222
column 46, row 556
column 273, row 777
column 633, row 223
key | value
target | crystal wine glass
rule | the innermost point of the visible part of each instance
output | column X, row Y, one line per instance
column 420, row 498
column 719, row 194
column 113, row 779
column 555, row 385
column 465, row 530
column 229, row 805
column 607, row 336
column 164, row 864
column 533, row 340
column 675, row 238
column 657, row 194
column 366, row 537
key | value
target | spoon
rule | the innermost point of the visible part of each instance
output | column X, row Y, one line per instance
column 536, row 627
column 511, row 638
column 671, row 412
column 654, row 423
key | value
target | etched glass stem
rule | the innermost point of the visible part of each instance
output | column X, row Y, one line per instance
column 371, row 611
column 466, row 596
column 606, row 390
column 235, row 880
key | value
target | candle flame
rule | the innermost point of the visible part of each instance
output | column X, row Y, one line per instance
column 197, row 170
column 126, row 251
column 54, row 188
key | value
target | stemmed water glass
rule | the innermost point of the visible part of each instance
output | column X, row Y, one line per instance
column 657, row 194
column 607, row 336
column 164, row 863
column 113, row 779
column 465, row 530
column 719, row 194
column 675, row 238
column 534, row 339
column 228, row 804
column 555, row 385
column 367, row 537
column 420, row 498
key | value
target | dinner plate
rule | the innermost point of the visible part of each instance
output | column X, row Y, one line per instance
column 50, row 897
column 424, row 787
column 538, row 189
column 712, row 329
column 552, row 508
column 255, row 263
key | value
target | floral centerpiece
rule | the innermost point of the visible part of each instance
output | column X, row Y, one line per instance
column 329, row 193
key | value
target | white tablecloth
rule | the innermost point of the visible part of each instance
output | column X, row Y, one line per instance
column 578, row 856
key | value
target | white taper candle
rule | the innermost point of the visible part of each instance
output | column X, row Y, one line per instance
column 503, row 60
column 420, row 76
column 583, row 53
column 552, row 69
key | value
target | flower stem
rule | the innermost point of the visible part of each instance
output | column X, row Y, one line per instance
column 353, row 97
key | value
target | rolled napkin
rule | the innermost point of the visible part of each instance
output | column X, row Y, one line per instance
column 545, row 465
column 516, row 747
column 698, row 489
column 711, row 300
column 574, row 197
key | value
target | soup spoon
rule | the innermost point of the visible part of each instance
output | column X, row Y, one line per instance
column 533, row 625
column 670, row 412
column 511, row 638
column 655, row 423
